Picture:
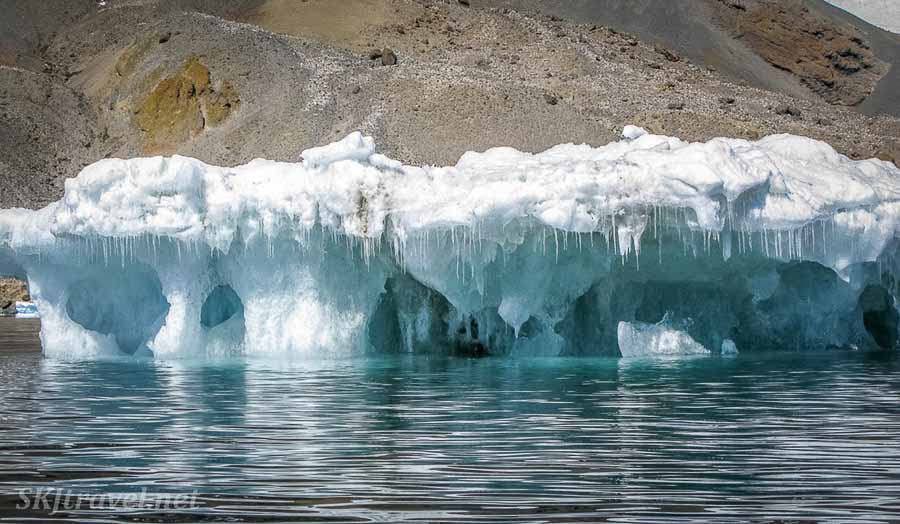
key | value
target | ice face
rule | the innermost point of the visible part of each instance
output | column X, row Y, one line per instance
column 779, row 244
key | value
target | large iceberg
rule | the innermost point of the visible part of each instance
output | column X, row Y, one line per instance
column 781, row 243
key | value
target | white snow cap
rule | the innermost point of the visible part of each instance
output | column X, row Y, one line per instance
column 783, row 182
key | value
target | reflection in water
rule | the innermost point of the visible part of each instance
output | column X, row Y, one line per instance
column 799, row 436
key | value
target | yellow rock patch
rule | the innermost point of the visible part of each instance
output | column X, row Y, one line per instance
column 182, row 106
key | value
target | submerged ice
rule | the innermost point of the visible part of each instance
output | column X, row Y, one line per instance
column 649, row 244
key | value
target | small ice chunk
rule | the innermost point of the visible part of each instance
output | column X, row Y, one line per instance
column 26, row 310
column 729, row 347
column 638, row 339
column 633, row 132
column 354, row 146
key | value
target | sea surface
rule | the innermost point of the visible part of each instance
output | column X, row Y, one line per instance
column 810, row 437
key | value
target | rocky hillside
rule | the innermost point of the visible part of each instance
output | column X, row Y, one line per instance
column 804, row 48
column 833, row 60
column 226, row 82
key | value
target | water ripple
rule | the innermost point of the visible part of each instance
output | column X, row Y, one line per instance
column 761, row 438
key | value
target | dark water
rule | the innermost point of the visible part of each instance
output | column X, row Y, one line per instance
column 762, row 438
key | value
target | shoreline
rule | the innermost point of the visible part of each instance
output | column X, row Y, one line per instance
column 19, row 335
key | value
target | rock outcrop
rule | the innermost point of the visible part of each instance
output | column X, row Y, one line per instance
column 833, row 60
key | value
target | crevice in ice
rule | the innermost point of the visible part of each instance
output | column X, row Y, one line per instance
column 421, row 313
column 468, row 340
column 481, row 333
column 880, row 318
column 384, row 332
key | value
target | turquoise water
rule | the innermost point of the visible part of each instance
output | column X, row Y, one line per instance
column 812, row 437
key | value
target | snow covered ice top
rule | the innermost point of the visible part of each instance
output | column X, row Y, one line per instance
column 772, row 196
column 351, row 188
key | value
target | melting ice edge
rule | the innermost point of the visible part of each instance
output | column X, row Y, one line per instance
column 646, row 245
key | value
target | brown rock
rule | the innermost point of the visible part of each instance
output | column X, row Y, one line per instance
column 667, row 54
column 388, row 57
column 788, row 110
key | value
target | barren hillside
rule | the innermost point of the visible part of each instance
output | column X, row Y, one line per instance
column 228, row 82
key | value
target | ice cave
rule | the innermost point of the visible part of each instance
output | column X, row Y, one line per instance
column 649, row 245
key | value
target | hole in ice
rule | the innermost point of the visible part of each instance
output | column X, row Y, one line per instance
column 220, row 306
column 469, row 342
column 707, row 311
column 385, row 333
column 128, row 305
column 409, row 318
column 811, row 307
column 879, row 316
column 222, row 316
column 485, row 333
column 754, row 303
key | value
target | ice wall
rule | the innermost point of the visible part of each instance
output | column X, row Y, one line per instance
column 780, row 243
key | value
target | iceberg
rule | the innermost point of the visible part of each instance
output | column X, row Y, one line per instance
column 780, row 243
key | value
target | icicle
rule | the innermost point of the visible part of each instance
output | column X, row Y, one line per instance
column 726, row 246
column 556, row 243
